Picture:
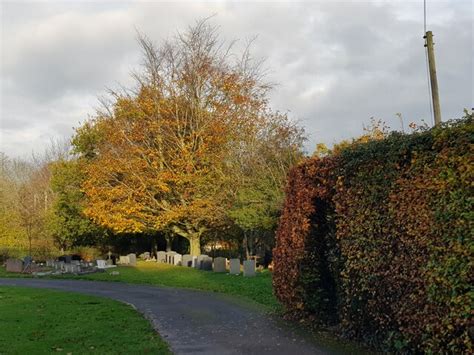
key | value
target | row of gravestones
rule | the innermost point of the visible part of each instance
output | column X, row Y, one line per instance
column 130, row 259
column 204, row 262
column 73, row 266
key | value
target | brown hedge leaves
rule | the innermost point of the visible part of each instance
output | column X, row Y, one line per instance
column 378, row 238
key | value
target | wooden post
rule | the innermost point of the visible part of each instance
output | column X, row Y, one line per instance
column 433, row 77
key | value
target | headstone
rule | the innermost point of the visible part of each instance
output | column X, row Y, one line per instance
column 249, row 268
column 194, row 261
column 206, row 264
column 101, row 264
column 50, row 263
column 14, row 265
column 124, row 260
column 170, row 257
column 75, row 262
column 72, row 268
column 234, row 267
column 145, row 255
column 200, row 258
column 132, row 259
column 161, row 257
column 109, row 262
column 177, row 259
column 220, row 264
column 60, row 265
column 187, row 260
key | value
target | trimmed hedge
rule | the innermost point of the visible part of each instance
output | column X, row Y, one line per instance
column 378, row 239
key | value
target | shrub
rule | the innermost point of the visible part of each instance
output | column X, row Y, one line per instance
column 87, row 253
column 378, row 237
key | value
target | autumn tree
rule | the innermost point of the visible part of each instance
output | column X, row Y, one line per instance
column 163, row 156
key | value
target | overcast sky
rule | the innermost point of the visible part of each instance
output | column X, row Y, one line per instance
column 336, row 63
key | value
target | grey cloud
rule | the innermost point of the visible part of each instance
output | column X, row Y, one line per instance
column 336, row 63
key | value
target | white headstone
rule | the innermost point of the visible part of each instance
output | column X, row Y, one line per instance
column 187, row 260
column 132, row 259
column 177, row 259
column 220, row 264
column 161, row 257
column 234, row 267
column 170, row 257
column 101, row 264
column 249, row 268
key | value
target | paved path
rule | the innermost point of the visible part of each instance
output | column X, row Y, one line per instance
column 195, row 322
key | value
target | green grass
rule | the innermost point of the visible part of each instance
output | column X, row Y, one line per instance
column 35, row 321
column 257, row 289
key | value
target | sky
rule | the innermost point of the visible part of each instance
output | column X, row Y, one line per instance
column 335, row 64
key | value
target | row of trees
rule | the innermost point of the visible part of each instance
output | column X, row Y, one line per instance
column 193, row 150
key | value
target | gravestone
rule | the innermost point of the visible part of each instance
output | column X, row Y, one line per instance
column 50, row 263
column 75, row 262
column 109, row 262
column 170, row 257
column 161, row 257
column 220, row 264
column 187, row 260
column 124, row 260
column 60, row 265
column 145, row 255
column 101, row 264
column 200, row 258
column 249, row 268
column 178, row 259
column 194, row 261
column 14, row 265
column 132, row 259
column 72, row 268
column 206, row 264
column 234, row 267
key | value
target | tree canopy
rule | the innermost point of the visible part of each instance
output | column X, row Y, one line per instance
column 193, row 140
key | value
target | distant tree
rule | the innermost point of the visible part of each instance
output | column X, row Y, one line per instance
column 67, row 222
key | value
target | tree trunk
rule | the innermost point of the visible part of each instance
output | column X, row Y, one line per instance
column 154, row 248
column 246, row 246
column 194, row 245
column 168, row 242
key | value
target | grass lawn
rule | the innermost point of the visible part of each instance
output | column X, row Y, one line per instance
column 35, row 321
column 257, row 289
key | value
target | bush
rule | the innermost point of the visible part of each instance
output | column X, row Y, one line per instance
column 87, row 253
column 378, row 238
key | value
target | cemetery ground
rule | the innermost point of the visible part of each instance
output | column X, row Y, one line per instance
column 238, row 315
column 257, row 289
column 37, row 321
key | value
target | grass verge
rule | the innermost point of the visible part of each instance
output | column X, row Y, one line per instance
column 35, row 321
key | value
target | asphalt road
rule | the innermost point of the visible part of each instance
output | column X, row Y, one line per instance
column 196, row 322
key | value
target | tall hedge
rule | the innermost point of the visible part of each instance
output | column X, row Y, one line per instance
column 378, row 239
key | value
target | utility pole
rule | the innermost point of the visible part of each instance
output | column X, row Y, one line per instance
column 433, row 78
